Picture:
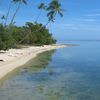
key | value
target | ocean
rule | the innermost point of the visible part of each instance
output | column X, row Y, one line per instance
column 71, row 73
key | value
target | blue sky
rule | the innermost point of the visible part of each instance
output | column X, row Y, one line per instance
column 81, row 19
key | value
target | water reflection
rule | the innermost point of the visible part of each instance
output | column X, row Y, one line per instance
column 40, row 62
column 28, row 82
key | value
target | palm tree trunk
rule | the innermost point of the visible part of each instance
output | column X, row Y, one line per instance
column 38, row 16
column 8, row 13
column 39, row 13
column 15, row 13
column 38, row 30
column 47, row 23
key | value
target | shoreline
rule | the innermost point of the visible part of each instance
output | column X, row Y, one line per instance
column 15, row 58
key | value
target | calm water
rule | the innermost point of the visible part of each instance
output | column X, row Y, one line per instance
column 71, row 73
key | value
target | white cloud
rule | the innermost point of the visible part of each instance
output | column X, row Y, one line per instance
column 66, row 26
column 88, row 20
column 93, row 15
column 77, row 27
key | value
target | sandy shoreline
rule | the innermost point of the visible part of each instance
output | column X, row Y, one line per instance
column 15, row 58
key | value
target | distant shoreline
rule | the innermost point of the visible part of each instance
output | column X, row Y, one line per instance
column 15, row 58
column 77, row 40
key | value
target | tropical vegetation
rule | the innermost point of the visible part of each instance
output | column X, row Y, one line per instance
column 35, row 33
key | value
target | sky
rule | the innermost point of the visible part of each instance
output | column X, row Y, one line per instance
column 81, row 20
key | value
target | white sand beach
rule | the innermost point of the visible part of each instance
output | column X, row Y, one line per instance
column 15, row 58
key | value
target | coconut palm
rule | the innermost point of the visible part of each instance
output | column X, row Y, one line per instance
column 6, row 18
column 19, row 5
column 53, row 9
column 41, row 7
column 3, row 18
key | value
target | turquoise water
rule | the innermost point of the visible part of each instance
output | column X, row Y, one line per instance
column 71, row 73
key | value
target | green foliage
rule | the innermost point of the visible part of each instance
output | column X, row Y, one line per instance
column 26, row 35
column 6, row 39
column 42, row 6
column 41, row 37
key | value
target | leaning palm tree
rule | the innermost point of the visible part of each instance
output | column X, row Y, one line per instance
column 41, row 7
column 6, row 18
column 19, row 5
column 53, row 9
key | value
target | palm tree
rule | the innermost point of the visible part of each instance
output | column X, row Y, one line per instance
column 53, row 9
column 40, row 7
column 3, row 18
column 19, row 5
column 6, row 18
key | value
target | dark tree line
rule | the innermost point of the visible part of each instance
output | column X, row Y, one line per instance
column 25, row 35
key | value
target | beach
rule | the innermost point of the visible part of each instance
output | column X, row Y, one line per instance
column 15, row 58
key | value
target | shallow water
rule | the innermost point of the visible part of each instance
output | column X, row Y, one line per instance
column 71, row 73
